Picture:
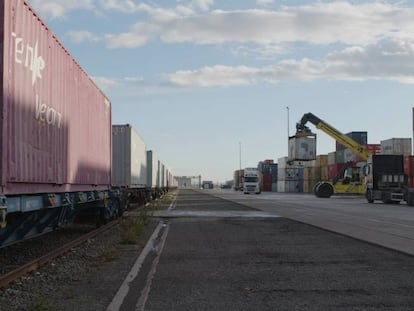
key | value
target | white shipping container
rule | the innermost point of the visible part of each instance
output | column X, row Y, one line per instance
column 396, row 146
column 287, row 186
column 129, row 158
column 168, row 177
column 288, row 173
column 281, row 186
column 282, row 162
column 286, row 163
column 162, row 176
column 281, row 174
column 153, row 170
column 302, row 148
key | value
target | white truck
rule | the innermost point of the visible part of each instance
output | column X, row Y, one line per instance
column 251, row 183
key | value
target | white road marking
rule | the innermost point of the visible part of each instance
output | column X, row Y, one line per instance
column 173, row 204
column 145, row 292
column 124, row 289
column 219, row 214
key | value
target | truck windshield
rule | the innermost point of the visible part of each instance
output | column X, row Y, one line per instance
column 250, row 179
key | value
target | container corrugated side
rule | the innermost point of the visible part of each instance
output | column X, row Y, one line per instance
column 331, row 158
column 396, row 146
column 162, row 175
column 138, row 160
column 153, row 170
column 129, row 158
column 56, row 123
column 302, row 148
column 289, row 186
column 169, row 178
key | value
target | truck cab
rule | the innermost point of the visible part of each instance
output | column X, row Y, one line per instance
column 251, row 181
column 385, row 179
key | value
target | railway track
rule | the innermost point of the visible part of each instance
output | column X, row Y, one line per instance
column 35, row 264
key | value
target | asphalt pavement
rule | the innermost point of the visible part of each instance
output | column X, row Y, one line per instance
column 214, row 254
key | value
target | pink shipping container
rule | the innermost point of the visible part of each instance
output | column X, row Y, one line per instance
column 56, row 130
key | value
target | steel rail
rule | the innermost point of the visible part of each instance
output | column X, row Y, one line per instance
column 35, row 264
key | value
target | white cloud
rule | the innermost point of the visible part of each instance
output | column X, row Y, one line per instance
column 125, row 6
column 319, row 23
column 60, row 8
column 82, row 36
column 106, row 83
column 215, row 76
column 390, row 60
column 264, row 2
column 134, row 79
column 140, row 35
column 263, row 52
column 203, row 5
column 125, row 40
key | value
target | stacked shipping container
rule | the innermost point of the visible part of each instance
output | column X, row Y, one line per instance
column 238, row 179
column 345, row 155
column 291, row 175
column 317, row 171
column 268, row 179
column 396, row 146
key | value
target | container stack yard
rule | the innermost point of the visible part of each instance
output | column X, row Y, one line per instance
column 288, row 175
column 383, row 171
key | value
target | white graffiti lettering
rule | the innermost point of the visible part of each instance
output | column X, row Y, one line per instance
column 47, row 114
column 29, row 57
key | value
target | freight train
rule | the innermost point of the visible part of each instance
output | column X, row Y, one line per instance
column 60, row 154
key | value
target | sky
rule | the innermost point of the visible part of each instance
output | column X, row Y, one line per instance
column 209, row 84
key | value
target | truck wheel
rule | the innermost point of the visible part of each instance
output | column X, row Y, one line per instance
column 410, row 198
column 369, row 196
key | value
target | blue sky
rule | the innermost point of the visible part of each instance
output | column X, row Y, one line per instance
column 197, row 78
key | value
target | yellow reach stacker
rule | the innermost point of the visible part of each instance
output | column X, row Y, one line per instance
column 345, row 182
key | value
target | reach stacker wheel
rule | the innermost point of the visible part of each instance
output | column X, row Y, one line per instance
column 324, row 190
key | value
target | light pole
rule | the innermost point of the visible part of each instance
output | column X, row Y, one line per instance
column 240, row 155
column 287, row 109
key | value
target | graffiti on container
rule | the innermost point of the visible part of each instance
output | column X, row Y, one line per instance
column 47, row 114
column 29, row 57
